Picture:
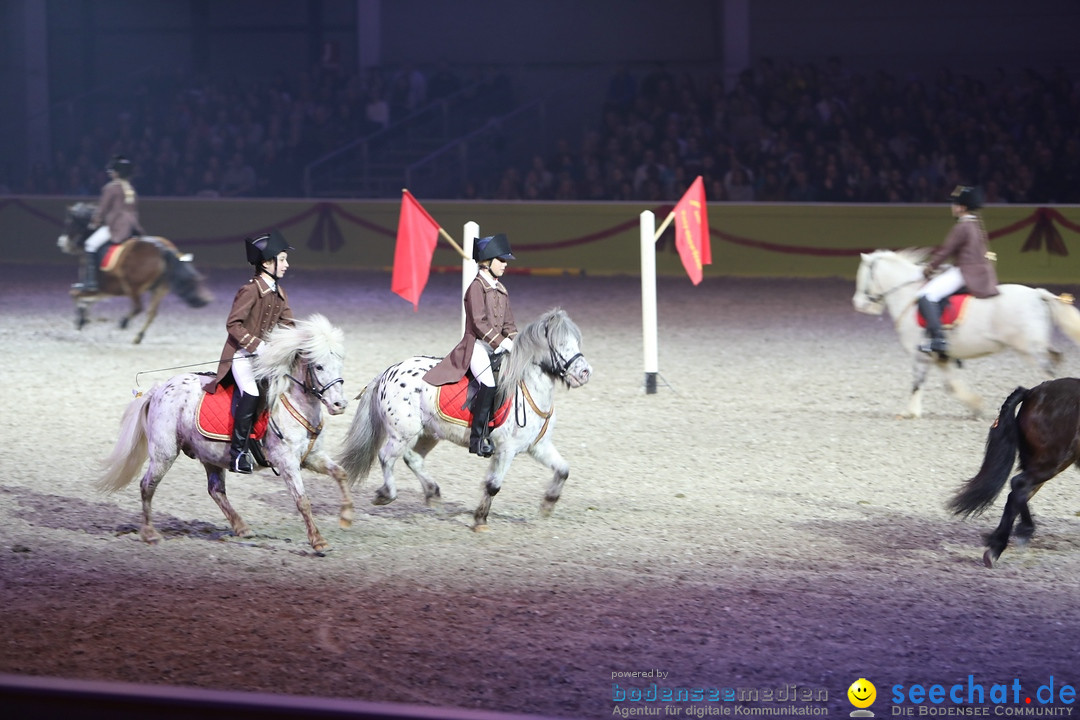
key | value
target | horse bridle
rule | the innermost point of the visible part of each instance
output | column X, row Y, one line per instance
column 878, row 299
column 557, row 365
column 311, row 387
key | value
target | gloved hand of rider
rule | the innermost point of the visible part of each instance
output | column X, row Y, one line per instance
column 505, row 346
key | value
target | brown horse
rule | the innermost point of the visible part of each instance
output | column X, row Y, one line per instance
column 146, row 265
column 1046, row 432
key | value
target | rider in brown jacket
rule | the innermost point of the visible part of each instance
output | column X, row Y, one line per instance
column 968, row 244
column 489, row 330
column 115, row 220
column 260, row 305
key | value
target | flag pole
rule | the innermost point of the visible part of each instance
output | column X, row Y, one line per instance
column 648, row 299
column 468, row 265
column 454, row 244
column 663, row 225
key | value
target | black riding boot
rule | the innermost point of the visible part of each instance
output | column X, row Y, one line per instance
column 243, row 419
column 931, row 312
column 89, row 273
column 482, row 409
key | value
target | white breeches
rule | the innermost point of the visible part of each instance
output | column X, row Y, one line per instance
column 243, row 372
column 480, row 365
column 942, row 286
column 97, row 238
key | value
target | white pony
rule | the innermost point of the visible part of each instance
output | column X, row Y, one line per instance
column 399, row 415
column 162, row 422
column 1020, row 317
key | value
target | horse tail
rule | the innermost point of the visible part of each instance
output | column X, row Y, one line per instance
column 131, row 450
column 366, row 435
column 1064, row 314
column 184, row 279
column 1002, row 443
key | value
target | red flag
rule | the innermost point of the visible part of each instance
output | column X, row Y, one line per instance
column 692, row 231
column 417, row 236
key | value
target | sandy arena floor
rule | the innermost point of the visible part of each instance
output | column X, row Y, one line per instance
column 763, row 521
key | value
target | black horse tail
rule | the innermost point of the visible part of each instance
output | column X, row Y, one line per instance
column 185, row 280
column 1002, row 443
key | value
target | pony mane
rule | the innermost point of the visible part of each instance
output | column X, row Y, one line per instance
column 310, row 339
column 82, row 212
column 531, row 347
column 913, row 255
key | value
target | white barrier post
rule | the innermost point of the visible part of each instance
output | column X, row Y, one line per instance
column 648, row 300
column 468, row 265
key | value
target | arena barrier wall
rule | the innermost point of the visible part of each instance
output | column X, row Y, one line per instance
column 1035, row 245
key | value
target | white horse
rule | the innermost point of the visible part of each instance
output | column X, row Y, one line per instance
column 162, row 422
column 398, row 415
column 1020, row 317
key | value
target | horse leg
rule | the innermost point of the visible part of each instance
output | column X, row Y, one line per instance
column 82, row 315
column 389, row 453
column 155, row 471
column 547, row 455
column 414, row 459
column 215, row 485
column 155, row 299
column 295, row 484
column 959, row 389
column 136, row 308
column 1025, row 527
column 919, row 371
column 320, row 462
column 500, row 463
column 1016, row 504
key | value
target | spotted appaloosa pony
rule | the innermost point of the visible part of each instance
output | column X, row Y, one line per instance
column 302, row 365
column 1046, row 433
column 147, row 265
column 1020, row 317
column 399, row 416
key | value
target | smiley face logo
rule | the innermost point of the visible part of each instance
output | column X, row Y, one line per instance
column 862, row 693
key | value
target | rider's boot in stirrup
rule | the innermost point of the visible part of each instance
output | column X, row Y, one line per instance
column 479, row 437
column 89, row 273
column 243, row 418
column 931, row 312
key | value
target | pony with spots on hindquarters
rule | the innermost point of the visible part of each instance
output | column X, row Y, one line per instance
column 302, row 365
column 1046, row 433
column 400, row 416
column 1019, row 317
column 137, row 266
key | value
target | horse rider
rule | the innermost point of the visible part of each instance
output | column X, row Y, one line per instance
column 115, row 220
column 260, row 305
column 973, row 270
column 489, row 332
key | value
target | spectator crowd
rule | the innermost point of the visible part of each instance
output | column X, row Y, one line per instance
column 791, row 132
column 786, row 132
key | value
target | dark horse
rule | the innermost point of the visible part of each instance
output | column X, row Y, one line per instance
column 1046, row 432
column 148, row 264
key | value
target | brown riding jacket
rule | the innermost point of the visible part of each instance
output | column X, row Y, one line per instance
column 118, row 209
column 256, row 310
column 488, row 318
column 968, row 243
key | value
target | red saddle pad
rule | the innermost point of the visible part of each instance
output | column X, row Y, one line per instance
column 454, row 407
column 215, row 416
column 953, row 313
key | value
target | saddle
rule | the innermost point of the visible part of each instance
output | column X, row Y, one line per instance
column 215, row 418
column 454, row 403
column 953, row 312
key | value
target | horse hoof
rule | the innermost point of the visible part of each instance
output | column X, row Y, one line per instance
column 320, row 546
column 381, row 500
column 151, row 536
column 345, row 519
column 478, row 528
column 245, row 532
column 435, row 503
column 988, row 559
column 546, row 509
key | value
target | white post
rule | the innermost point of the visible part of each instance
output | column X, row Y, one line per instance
column 648, row 299
column 468, row 265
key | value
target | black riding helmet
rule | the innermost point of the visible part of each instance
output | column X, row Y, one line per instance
column 969, row 197
column 121, row 166
column 265, row 247
column 492, row 246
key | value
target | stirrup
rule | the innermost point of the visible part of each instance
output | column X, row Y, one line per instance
column 242, row 464
column 935, row 347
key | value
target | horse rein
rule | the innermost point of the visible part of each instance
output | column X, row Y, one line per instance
column 557, row 365
column 311, row 387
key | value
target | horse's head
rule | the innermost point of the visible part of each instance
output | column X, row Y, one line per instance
column 557, row 343
column 880, row 273
column 309, row 355
column 76, row 227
